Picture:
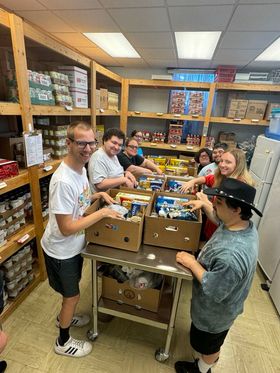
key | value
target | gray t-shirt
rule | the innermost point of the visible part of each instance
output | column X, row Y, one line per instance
column 101, row 167
column 230, row 259
column 208, row 170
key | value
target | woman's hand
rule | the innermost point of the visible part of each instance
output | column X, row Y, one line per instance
column 187, row 187
column 195, row 204
column 130, row 177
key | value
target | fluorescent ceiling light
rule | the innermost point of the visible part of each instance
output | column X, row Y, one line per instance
column 197, row 45
column 113, row 43
column 272, row 53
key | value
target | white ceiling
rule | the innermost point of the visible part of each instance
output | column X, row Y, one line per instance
column 248, row 27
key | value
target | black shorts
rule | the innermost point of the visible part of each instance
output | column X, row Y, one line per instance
column 64, row 274
column 206, row 343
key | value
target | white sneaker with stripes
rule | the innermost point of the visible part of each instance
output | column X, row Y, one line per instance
column 73, row 348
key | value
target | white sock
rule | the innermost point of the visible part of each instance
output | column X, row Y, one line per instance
column 204, row 367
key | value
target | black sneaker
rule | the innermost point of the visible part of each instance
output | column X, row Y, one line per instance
column 188, row 367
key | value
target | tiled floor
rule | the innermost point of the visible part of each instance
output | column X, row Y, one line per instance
column 252, row 346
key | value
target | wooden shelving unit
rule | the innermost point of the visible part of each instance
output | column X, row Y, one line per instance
column 54, row 163
column 9, row 108
column 15, row 182
column 59, row 110
column 182, row 148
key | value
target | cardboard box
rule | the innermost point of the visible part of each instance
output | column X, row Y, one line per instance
column 97, row 99
column 80, row 98
column 149, row 182
column 226, row 136
column 256, row 109
column 7, row 146
column 8, row 169
column 171, row 233
column 113, row 101
column 78, row 77
column 237, row 109
column 147, row 299
column 103, row 98
column 181, row 179
column 117, row 233
column 271, row 106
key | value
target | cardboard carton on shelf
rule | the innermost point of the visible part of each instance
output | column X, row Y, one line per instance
column 147, row 299
column 103, row 98
column 80, row 98
column 78, row 77
column 237, row 108
column 8, row 168
column 117, row 233
column 256, row 109
column 171, row 233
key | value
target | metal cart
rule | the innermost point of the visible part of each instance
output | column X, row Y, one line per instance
column 148, row 258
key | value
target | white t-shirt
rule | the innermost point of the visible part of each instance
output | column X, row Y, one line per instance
column 69, row 194
column 208, row 170
column 101, row 167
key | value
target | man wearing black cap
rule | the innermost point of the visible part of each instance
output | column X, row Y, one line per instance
column 223, row 271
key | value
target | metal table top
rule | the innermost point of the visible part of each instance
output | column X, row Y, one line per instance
column 148, row 258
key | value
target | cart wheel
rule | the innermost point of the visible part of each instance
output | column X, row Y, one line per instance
column 91, row 335
column 160, row 355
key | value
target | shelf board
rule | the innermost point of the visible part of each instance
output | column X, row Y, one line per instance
column 58, row 110
column 9, row 108
column 171, row 84
column 12, row 246
column 249, row 122
column 142, row 114
column 104, row 113
column 54, row 163
column 13, row 304
column 109, row 74
column 164, row 146
column 248, row 87
column 16, row 181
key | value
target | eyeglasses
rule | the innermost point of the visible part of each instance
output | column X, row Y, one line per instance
column 133, row 147
column 83, row 144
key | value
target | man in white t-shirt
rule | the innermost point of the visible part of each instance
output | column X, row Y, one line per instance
column 104, row 168
column 64, row 237
column 218, row 150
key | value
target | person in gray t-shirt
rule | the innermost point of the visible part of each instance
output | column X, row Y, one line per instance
column 223, row 271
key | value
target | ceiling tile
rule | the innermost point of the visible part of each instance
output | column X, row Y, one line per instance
column 71, row 4
column 73, row 38
column 22, row 5
column 200, row 18
column 98, row 55
column 244, row 40
column 46, row 20
column 237, row 54
column 264, row 65
column 89, row 20
column 157, row 53
column 239, row 66
column 150, row 39
column 259, row 1
column 131, row 62
column 131, row 3
column 141, row 19
column 256, row 18
column 154, row 63
column 194, row 64
column 199, row 2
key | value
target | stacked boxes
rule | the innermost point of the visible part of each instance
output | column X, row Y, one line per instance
column 175, row 133
column 237, row 109
column 61, row 85
column 256, row 109
column 177, row 102
column 78, row 85
column 40, row 88
column 113, row 101
column 103, row 98
column 55, row 138
column 195, row 103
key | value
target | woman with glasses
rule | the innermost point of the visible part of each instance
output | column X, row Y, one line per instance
column 104, row 168
column 138, row 136
column 135, row 163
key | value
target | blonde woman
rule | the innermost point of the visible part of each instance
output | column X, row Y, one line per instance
column 232, row 164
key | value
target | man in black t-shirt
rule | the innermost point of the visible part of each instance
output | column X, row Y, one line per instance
column 136, row 164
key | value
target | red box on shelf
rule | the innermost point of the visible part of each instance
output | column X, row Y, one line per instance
column 225, row 74
column 8, row 168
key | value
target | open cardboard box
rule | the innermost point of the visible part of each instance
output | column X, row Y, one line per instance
column 117, row 233
column 147, row 299
column 154, row 176
column 172, row 233
column 183, row 179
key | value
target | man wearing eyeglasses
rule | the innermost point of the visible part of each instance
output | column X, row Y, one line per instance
column 134, row 163
column 104, row 168
column 64, row 238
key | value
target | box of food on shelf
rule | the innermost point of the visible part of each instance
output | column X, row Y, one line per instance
column 113, row 101
column 172, row 225
column 80, row 98
column 103, row 98
column 78, row 77
column 97, row 99
column 270, row 106
column 122, row 234
column 256, row 109
column 124, row 293
column 237, row 108
column 8, row 168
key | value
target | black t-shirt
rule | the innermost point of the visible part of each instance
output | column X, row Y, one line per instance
column 126, row 161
